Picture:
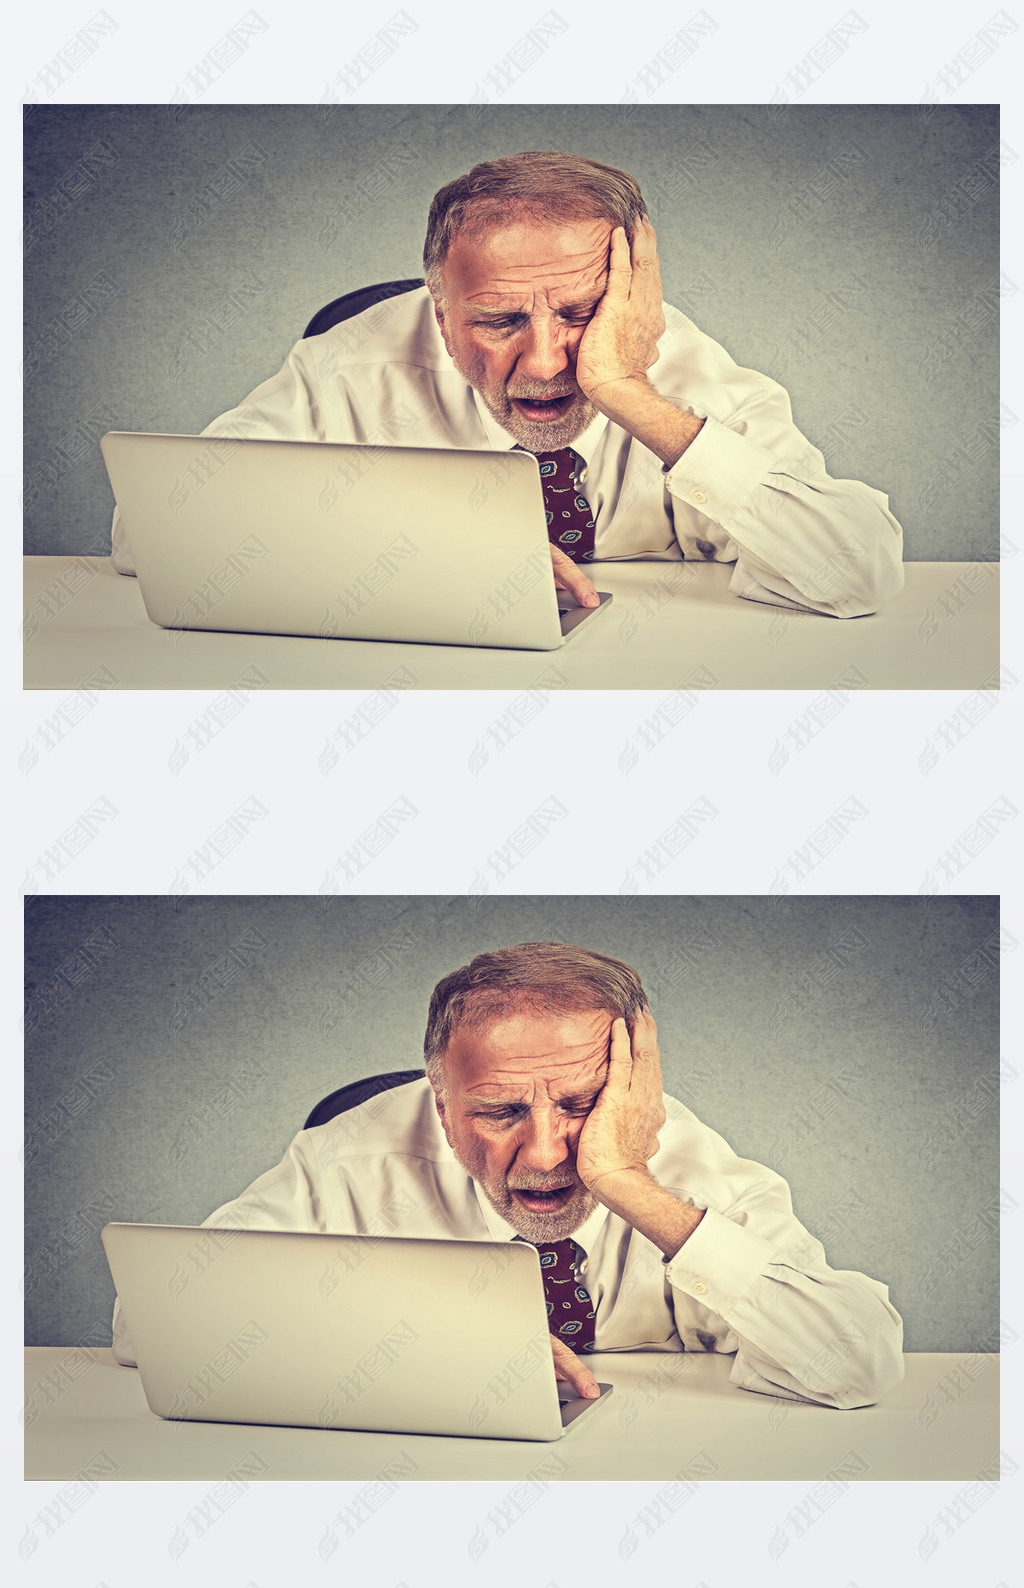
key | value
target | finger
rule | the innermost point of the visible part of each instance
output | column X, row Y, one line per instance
column 570, row 576
column 620, row 1058
column 619, row 265
column 646, row 1074
column 645, row 1050
column 645, row 1034
column 646, row 266
column 645, row 241
column 571, row 1370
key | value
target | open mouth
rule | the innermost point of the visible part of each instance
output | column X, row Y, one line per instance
column 541, row 409
column 546, row 1200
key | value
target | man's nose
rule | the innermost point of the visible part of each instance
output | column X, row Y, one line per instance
column 546, row 353
column 544, row 1145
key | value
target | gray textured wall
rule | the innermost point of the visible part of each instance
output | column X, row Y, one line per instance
column 849, row 251
column 851, row 1043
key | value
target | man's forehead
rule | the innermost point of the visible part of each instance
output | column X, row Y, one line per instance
column 505, row 259
column 573, row 1075
column 529, row 1044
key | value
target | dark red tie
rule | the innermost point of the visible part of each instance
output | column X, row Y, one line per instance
column 570, row 1309
column 570, row 520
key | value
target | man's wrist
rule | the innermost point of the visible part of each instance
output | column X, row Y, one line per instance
column 636, row 1196
column 632, row 402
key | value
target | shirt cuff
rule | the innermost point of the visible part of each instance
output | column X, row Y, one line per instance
column 719, row 1262
column 718, row 471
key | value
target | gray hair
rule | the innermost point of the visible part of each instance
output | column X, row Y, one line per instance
column 541, row 184
column 551, row 977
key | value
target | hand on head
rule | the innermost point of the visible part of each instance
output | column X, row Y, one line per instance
column 621, row 1130
column 621, row 340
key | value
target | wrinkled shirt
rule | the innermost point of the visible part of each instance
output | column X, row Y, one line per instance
column 749, row 489
column 749, row 1280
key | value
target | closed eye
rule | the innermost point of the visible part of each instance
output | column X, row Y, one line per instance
column 513, row 323
column 576, row 315
column 575, row 1107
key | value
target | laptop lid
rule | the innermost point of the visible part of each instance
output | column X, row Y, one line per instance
column 341, row 1331
column 339, row 541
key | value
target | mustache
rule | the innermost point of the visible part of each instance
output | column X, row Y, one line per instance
column 548, row 1182
column 535, row 390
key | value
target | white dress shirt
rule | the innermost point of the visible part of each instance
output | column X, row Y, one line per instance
column 749, row 490
column 749, row 1280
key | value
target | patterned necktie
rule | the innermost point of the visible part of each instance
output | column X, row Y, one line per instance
column 569, row 516
column 570, row 1309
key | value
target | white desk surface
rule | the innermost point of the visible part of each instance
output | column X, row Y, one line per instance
column 669, row 1417
column 670, row 626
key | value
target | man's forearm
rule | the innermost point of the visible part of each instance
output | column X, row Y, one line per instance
column 636, row 1196
column 641, row 410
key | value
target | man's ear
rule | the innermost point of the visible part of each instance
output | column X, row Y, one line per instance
column 442, row 1116
column 439, row 317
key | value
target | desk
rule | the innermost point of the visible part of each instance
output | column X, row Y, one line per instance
column 670, row 1417
column 671, row 626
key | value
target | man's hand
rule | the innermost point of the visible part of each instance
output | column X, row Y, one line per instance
column 621, row 341
column 620, row 1135
column 620, row 345
column 570, row 576
column 571, row 1370
column 621, row 1130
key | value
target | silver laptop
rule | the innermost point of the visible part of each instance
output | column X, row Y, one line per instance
column 341, row 1331
column 339, row 541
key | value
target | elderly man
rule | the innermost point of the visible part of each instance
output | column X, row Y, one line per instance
column 541, row 1118
column 541, row 326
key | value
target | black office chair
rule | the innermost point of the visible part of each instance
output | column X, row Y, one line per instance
column 357, row 1092
column 355, row 302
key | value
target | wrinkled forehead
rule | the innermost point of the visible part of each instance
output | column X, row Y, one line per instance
column 510, row 1044
column 501, row 259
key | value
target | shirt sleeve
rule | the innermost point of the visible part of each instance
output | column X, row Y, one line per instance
column 804, row 539
column 805, row 1331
